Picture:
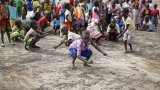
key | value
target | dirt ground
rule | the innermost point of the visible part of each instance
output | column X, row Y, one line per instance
column 49, row 69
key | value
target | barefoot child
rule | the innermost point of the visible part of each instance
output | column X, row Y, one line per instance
column 17, row 32
column 33, row 36
column 155, row 14
column 80, row 49
column 69, row 37
column 128, row 31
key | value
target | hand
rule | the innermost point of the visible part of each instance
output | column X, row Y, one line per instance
column 55, row 47
column 105, row 54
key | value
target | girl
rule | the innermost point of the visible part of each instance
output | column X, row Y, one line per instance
column 68, row 16
column 95, row 11
column 4, row 21
column 80, row 49
column 120, row 22
column 113, row 10
column 147, row 24
column 136, row 16
column 155, row 14
column 95, row 31
column 36, row 5
column 17, row 31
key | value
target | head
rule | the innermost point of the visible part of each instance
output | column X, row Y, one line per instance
column 76, row 2
column 125, row 12
column 18, row 23
column 34, row 25
column 47, row 15
column 67, row 6
column 143, row 1
column 149, row 1
column 113, row 20
column 96, row 3
column 147, row 6
column 64, row 29
column 113, row 5
column 23, row 15
column 119, row 17
column 127, row 1
column 86, row 37
column 155, row 6
column 136, row 6
column 147, row 18
column 112, row 26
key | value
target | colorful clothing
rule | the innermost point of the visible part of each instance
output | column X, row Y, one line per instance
column 19, row 5
column 37, row 5
column 94, row 30
column 155, row 14
column 29, row 6
column 95, row 16
column 80, row 46
column 42, row 21
column 3, row 16
column 17, row 32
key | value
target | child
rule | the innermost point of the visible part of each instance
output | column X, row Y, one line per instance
column 113, row 10
column 95, row 11
column 155, row 14
column 56, row 23
column 120, row 22
column 147, row 24
column 17, row 31
column 128, row 31
column 80, row 49
column 136, row 16
column 95, row 31
column 68, row 16
column 69, row 37
column 43, row 24
column 33, row 36
column 113, row 30
column 4, row 21
column 62, row 17
column 146, row 11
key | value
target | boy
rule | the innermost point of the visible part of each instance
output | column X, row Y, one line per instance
column 69, row 37
column 33, row 36
column 147, row 24
column 113, row 30
column 128, row 31
column 80, row 49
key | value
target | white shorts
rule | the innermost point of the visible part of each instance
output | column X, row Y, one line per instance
column 128, row 36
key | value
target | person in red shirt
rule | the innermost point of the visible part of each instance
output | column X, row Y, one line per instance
column 43, row 24
column 71, row 2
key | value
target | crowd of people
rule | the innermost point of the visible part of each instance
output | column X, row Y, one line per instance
column 80, row 23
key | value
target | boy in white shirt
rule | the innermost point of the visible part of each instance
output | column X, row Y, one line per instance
column 69, row 37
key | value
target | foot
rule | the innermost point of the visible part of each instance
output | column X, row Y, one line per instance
column 34, row 46
column 73, row 66
column 2, row 45
column 125, row 52
column 90, row 62
column 86, row 64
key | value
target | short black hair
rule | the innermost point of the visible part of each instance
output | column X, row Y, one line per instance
column 112, row 26
column 125, row 10
column 32, row 23
column 66, row 5
column 17, row 22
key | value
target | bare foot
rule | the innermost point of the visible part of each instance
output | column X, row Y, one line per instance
column 87, row 65
column 90, row 62
column 73, row 67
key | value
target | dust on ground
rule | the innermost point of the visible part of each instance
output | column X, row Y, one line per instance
column 49, row 69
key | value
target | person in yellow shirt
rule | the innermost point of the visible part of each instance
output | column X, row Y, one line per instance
column 37, row 5
column 128, row 31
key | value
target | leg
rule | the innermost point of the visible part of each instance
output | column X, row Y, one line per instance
column 34, row 41
column 87, row 54
column 8, row 34
column 2, row 38
column 73, row 54
column 125, row 46
column 130, row 45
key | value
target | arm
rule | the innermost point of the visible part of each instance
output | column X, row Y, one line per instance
column 124, row 31
column 97, row 48
column 68, row 20
column 63, row 41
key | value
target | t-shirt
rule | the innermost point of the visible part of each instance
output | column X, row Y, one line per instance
column 31, row 33
column 47, row 7
column 73, row 36
column 130, row 22
column 117, row 28
column 13, row 12
column 42, row 20
column 36, row 4
column 68, row 13
column 90, row 6
column 30, row 14
column 29, row 6
column 79, row 45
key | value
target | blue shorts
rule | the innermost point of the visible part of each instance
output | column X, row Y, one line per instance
column 87, row 53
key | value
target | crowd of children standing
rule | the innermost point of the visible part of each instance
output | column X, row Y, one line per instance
column 80, row 22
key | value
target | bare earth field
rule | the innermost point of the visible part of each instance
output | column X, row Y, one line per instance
column 49, row 69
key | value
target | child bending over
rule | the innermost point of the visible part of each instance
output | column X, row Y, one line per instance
column 147, row 24
column 113, row 30
column 69, row 37
column 80, row 49
column 33, row 36
column 17, row 31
